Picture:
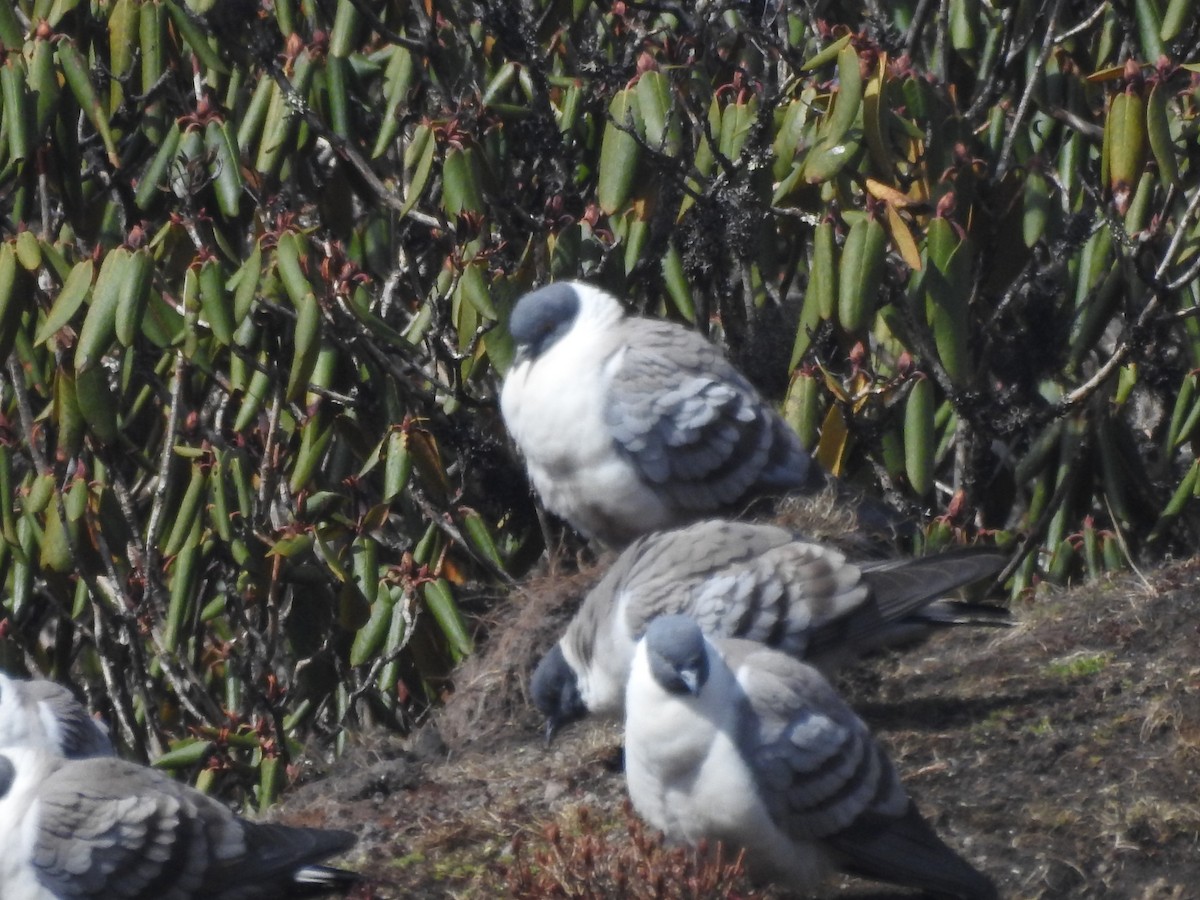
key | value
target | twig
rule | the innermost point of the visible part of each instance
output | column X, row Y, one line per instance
column 1014, row 127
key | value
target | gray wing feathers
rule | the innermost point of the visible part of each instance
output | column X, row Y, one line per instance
column 740, row 580
column 818, row 765
column 826, row 779
column 694, row 427
column 112, row 829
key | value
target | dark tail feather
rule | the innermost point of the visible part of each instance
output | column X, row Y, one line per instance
column 903, row 586
column 907, row 852
column 960, row 612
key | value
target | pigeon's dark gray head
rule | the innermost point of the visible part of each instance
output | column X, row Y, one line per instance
column 542, row 317
column 677, row 654
column 555, row 690
column 8, row 774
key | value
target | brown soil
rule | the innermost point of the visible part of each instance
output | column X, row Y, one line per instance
column 1059, row 756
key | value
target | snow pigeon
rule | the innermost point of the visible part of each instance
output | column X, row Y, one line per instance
column 758, row 582
column 105, row 828
column 630, row 425
column 734, row 742
column 40, row 713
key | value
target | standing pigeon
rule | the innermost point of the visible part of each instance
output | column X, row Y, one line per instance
column 731, row 741
column 630, row 425
column 40, row 713
column 104, row 828
column 759, row 582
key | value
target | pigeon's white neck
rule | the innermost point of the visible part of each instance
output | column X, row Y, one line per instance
column 19, row 809
column 597, row 309
column 15, row 720
column 675, row 731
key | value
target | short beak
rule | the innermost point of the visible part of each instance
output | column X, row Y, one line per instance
column 691, row 680
column 551, row 729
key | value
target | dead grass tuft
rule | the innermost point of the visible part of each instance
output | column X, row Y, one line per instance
column 491, row 687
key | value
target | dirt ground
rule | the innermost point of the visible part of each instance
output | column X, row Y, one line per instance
column 1060, row 756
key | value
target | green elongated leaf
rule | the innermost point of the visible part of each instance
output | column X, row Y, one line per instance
column 418, row 160
column 658, row 113
column 1158, row 130
column 619, row 153
column 476, row 530
column 194, row 36
column 1149, row 25
column 947, row 281
column 1174, row 18
column 184, row 754
column 398, row 80
column 134, row 295
column 75, row 70
column 920, row 437
column 215, row 302
column 279, row 127
column 398, row 465
column 826, row 54
column 224, row 167
column 15, row 297
column 250, row 126
column 821, row 292
column 288, row 252
column 860, row 273
column 18, row 107
column 371, row 637
column 803, row 408
column 848, row 100
column 787, row 138
column 440, row 601
column 676, row 283
column 337, row 72
column 100, row 324
column 154, row 178
column 460, row 182
column 315, row 436
column 11, row 31
column 246, row 287
column 43, row 83
column 505, row 77
column 1125, row 138
column 184, row 572
column 123, row 28
column 29, row 251
column 345, row 26
column 187, row 513
column 54, row 551
column 306, row 346
column 97, row 403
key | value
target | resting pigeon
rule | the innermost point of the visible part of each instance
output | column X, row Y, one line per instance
column 105, row 827
column 759, row 582
column 731, row 741
column 630, row 425
column 40, row 713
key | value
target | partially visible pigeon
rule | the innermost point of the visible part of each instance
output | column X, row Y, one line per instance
column 734, row 742
column 40, row 713
column 107, row 828
column 631, row 425
column 759, row 582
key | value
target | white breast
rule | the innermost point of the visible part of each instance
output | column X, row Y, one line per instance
column 554, row 409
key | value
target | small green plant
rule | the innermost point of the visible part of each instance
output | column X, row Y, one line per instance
column 1079, row 665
